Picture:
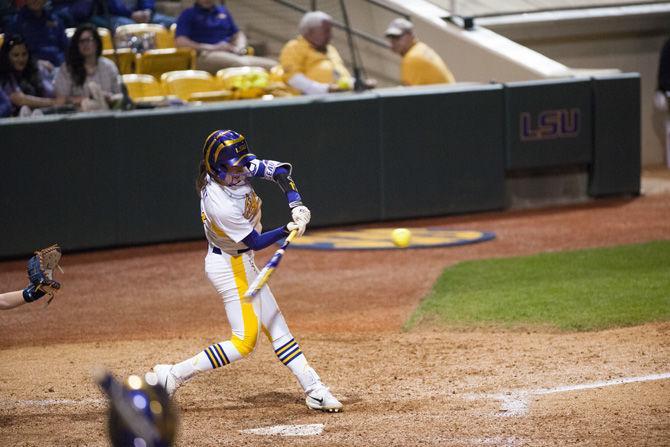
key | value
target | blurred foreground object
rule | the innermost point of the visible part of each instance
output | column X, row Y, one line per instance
column 140, row 411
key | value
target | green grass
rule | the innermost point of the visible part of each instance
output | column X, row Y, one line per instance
column 578, row 290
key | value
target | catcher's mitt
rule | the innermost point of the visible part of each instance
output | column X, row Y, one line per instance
column 40, row 272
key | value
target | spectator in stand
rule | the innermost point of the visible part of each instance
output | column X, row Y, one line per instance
column 210, row 29
column 311, row 65
column 22, row 80
column 73, row 12
column 43, row 32
column 7, row 15
column 87, row 80
column 120, row 13
column 420, row 64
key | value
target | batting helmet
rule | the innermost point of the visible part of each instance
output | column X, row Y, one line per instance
column 224, row 149
column 141, row 413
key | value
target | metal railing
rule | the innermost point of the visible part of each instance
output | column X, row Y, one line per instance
column 363, row 35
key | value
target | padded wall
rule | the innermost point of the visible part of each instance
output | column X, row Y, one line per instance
column 333, row 145
column 616, row 135
column 548, row 123
column 442, row 151
column 116, row 179
column 58, row 183
column 159, row 155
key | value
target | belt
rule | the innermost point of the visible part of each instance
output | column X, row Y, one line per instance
column 217, row 250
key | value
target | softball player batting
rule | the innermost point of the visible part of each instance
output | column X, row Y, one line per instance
column 231, row 214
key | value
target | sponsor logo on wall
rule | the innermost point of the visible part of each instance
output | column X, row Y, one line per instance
column 549, row 124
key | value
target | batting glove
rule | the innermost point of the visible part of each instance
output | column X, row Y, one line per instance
column 299, row 226
column 301, row 214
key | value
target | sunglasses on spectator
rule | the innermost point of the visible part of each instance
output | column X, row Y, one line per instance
column 87, row 40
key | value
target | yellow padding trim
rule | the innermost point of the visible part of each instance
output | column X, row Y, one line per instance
column 235, row 141
column 244, row 346
column 209, row 148
column 218, row 150
column 237, row 163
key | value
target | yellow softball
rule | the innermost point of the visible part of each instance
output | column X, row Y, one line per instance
column 401, row 237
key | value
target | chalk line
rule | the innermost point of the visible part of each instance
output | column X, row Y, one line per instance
column 286, row 430
column 515, row 403
column 588, row 386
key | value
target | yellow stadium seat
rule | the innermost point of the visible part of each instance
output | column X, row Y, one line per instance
column 104, row 34
column 162, row 37
column 2, row 39
column 217, row 95
column 229, row 74
column 106, row 37
column 193, row 85
column 244, row 82
column 141, row 86
column 124, row 59
column 157, row 62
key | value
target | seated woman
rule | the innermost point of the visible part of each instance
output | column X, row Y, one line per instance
column 87, row 80
column 22, row 81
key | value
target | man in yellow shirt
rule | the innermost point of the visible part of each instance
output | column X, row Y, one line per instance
column 420, row 64
column 311, row 65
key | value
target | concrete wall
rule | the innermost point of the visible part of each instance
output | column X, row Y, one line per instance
column 480, row 56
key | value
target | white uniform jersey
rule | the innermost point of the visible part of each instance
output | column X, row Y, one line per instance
column 229, row 214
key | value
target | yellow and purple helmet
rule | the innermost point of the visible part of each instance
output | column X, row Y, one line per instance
column 224, row 149
column 140, row 412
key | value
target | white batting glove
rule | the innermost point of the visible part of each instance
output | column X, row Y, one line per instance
column 301, row 214
column 300, row 226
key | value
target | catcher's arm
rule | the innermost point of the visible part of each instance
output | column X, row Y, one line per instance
column 10, row 300
column 40, row 273
column 270, row 267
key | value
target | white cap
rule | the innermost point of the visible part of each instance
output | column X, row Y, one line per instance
column 398, row 27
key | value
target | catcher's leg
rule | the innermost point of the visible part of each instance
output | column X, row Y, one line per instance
column 287, row 350
column 229, row 275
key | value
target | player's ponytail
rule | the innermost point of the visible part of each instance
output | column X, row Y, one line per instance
column 200, row 181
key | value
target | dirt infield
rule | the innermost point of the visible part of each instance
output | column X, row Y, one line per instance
column 129, row 309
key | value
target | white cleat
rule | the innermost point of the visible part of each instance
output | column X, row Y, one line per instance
column 166, row 378
column 320, row 398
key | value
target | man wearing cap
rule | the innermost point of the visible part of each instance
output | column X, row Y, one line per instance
column 420, row 64
column 311, row 65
